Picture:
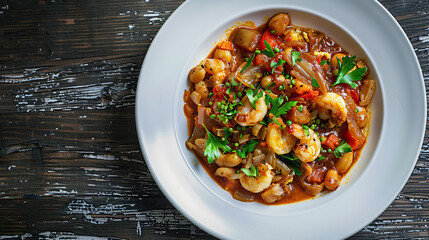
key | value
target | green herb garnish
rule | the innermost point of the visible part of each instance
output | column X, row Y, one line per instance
column 295, row 56
column 292, row 162
column 251, row 172
column 343, row 148
column 314, row 83
column 305, row 129
column 248, row 63
column 269, row 52
column 247, row 148
column 276, row 110
column 324, row 62
column 276, row 64
column 212, row 146
column 344, row 74
column 234, row 83
column 253, row 96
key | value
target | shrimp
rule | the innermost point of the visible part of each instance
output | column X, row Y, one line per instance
column 333, row 106
column 247, row 116
column 281, row 141
column 228, row 160
column 212, row 66
column 258, row 184
column 308, row 148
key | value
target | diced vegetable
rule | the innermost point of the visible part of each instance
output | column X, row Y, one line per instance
column 226, row 45
column 246, row 38
column 270, row 38
column 331, row 141
column 279, row 23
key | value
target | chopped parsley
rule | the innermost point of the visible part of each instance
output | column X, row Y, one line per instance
column 268, row 51
column 234, row 83
column 292, row 162
column 324, row 62
column 295, row 56
column 253, row 96
column 314, row 83
column 276, row 110
column 305, row 129
column 212, row 146
column 251, row 172
column 247, row 148
column 344, row 74
column 343, row 148
column 248, row 63
column 276, row 64
column 277, row 122
column 227, row 133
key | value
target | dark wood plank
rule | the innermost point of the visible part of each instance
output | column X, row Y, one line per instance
column 70, row 162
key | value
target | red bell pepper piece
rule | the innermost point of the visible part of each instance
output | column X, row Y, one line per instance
column 310, row 96
column 331, row 141
column 270, row 38
column 353, row 92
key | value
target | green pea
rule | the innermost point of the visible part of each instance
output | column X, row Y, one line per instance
column 288, row 122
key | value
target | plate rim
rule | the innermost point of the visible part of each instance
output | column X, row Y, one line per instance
column 177, row 205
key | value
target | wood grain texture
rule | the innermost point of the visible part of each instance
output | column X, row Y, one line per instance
column 70, row 161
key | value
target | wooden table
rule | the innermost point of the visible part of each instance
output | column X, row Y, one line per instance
column 70, row 161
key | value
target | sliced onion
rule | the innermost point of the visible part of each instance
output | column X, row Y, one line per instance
column 244, row 139
column 250, row 75
column 237, row 176
column 283, row 168
column 258, row 159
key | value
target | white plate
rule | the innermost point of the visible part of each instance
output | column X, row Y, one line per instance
column 364, row 28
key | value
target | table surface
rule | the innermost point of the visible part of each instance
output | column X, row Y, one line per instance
column 70, row 161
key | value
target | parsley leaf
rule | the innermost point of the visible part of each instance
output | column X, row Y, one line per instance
column 314, row 83
column 343, row 148
column 295, row 56
column 305, row 129
column 320, row 158
column 234, row 83
column 253, row 96
column 344, row 74
column 277, row 122
column 227, row 133
column 251, row 172
column 212, row 146
column 292, row 162
column 268, row 51
column 324, row 62
column 274, row 64
column 247, row 148
column 276, row 110
column 248, row 63
column 285, row 108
